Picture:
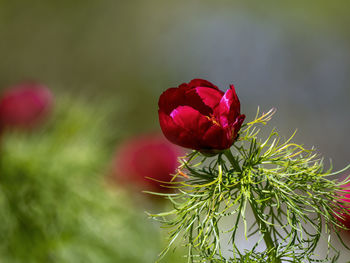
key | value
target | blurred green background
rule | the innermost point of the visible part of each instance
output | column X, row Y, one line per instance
column 292, row 55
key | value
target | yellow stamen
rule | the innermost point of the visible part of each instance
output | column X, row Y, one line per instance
column 213, row 120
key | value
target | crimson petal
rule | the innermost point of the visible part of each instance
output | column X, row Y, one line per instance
column 190, row 119
column 201, row 83
column 193, row 124
column 175, row 133
column 236, row 126
column 183, row 96
column 216, row 138
column 170, row 129
column 229, row 108
column 210, row 97
column 170, row 99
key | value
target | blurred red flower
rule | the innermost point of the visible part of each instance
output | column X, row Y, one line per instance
column 199, row 116
column 25, row 105
column 144, row 157
column 343, row 217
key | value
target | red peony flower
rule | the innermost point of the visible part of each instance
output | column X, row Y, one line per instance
column 24, row 105
column 199, row 116
column 144, row 157
column 344, row 218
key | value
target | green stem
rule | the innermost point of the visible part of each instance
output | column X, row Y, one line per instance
column 262, row 225
column 232, row 160
column 266, row 234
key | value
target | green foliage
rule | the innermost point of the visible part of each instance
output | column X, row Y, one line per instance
column 55, row 205
column 282, row 185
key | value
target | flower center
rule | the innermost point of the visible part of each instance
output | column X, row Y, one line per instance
column 212, row 118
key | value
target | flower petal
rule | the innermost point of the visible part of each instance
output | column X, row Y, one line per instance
column 216, row 138
column 171, row 99
column 210, row 97
column 178, row 131
column 201, row 83
column 202, row 95
column 191, row 120
column 236, row 126
column 229, row 108
column 169, row 128
column 183, row 96
column 193, row 100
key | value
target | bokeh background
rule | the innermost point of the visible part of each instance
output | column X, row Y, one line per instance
column 291, row 55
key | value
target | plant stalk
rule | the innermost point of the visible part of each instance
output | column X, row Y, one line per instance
column 266, row 235
column 262, row 225
column 232, row 160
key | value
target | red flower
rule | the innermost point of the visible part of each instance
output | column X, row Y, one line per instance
column 24, row 105
column 144, row 157
column 199, row 116
column 343, row 217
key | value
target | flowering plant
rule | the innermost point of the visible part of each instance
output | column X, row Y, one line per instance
column 24, row 106
column 282, row 185
column 146, row 162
